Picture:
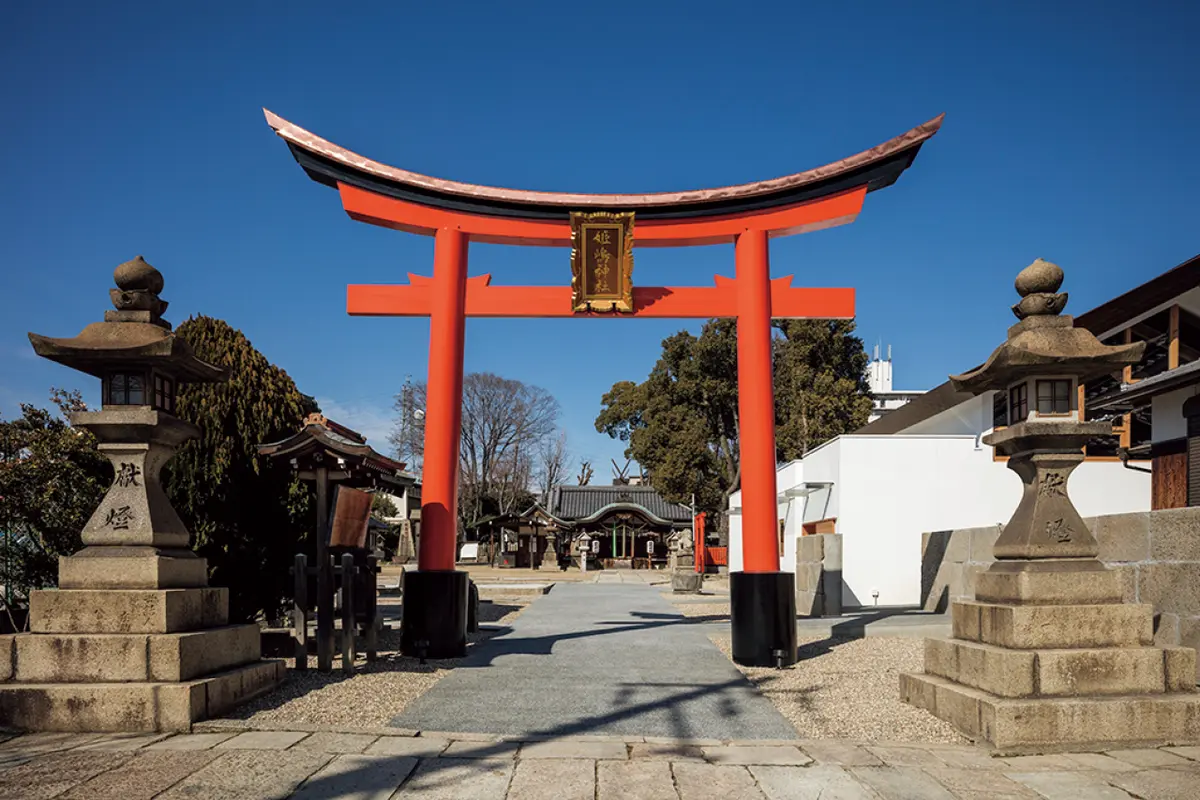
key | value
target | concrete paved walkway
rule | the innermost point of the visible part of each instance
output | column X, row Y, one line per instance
column 232, row 764
column 611, row 657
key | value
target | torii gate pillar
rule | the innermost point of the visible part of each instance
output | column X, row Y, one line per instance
column 762, row 596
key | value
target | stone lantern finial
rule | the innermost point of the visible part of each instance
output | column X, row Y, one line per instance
column 136, row 296
column 1038, row 286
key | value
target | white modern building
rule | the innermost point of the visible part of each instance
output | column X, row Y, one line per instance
column 879, row 378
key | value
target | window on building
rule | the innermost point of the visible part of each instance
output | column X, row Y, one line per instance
column 1018, row 403
column 125, row 389
column 1054, row 397
column 999, row 410
column 164, row 394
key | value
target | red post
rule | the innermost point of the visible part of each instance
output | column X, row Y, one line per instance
column 756, row 403
column 698, row 543
column 443, row 406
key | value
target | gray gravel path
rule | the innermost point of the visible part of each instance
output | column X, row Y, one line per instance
column 602, row 659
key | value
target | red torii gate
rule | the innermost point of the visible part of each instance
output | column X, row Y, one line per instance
column 748, row 215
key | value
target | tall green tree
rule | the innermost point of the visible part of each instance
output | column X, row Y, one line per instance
column 681, row 423
column 248, row 515
column 821, row 388
column 51, row 480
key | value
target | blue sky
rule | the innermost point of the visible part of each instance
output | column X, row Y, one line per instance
column 1070, row 134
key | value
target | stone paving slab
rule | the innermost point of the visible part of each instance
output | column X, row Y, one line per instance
column 262, row 740
column 571, row 749
column 357, row 776
column 56, row 773
column 1148, row 758
column 192, row 741
column 902, row 783
column 143, row 777
column 710, row 780
column 634, row 780
column 756, row 754
column 120, row 742
column 553, row 780
column 814, row 783
column 458, row 779
column 666, row 752
column 249, row 775
column 1069, row 785
column 402, row 746
column 309, row 765
column 477, row 749
column 337, row 743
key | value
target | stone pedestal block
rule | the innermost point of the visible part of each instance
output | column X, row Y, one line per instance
column 1024, row 725
column 127, row 610
column 133, row 707
column 132, row 568
column 686, row 581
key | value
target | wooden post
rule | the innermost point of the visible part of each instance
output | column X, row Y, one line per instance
column 324, row 576
column 371, row 604
column 347, row 612
column 300, row 611
column 1173, row 338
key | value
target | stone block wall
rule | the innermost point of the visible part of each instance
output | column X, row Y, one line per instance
column 1156, row 552
column 819, row 575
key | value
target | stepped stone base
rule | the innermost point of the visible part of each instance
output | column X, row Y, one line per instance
column 129, row 659
column 116, row 657
column 1058, row 724
column 1063, row 672
column 127, row 610
column 133, row 707
column 131, row 568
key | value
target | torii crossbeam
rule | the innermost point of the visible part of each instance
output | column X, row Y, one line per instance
column 762, row 596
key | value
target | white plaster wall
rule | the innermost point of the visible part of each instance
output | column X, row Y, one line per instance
column 1166, row 414
column 895, row 488
column 888, row 490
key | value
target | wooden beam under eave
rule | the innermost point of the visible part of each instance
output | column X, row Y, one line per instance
column 1173, row 338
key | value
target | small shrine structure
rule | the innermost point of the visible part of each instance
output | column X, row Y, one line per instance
column 331, row 456
column 1047, row 656
column 133, row 638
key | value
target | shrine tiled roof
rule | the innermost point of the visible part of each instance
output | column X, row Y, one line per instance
column 574, row 503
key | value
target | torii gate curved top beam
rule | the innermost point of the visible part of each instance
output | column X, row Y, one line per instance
column 804, row 201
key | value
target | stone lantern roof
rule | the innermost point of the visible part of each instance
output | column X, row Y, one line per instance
column 1043, row 342
column 134, row 335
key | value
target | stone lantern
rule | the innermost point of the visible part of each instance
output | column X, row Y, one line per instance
column 1048, row 656
column 133, row 639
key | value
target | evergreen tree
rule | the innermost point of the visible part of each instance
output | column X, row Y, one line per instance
column 681, row 423
column 52, row 478
column 248, row 515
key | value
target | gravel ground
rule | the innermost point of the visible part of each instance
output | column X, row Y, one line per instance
column 377, row 692
column 718, row 609
column 849, row 689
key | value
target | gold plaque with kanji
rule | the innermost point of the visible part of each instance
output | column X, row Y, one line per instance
column 602, row 261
